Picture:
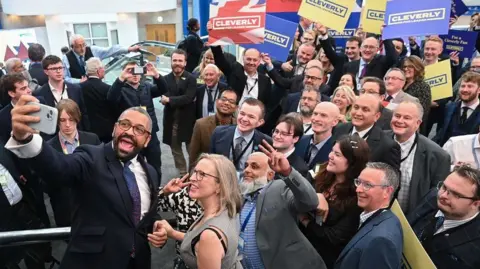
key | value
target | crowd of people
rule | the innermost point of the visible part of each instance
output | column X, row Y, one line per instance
column 291, row 164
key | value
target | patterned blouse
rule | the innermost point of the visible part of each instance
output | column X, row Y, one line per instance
column 421, row 90
column 186, row 210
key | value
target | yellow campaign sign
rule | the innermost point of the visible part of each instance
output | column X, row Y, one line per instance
column 331, row 13
column 439, row 77
column 414, row 255
column 373, row 16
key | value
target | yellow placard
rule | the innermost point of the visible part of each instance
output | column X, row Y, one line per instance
column 439, row 77
column 414, row 255
column 373, row 16
column 331, row 13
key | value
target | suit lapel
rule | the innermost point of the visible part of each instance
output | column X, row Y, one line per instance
column 468, row 232
column 153, row 186
column 48, row 95
column 226, row 141
column 172, row 83
column 116, row 169
column 323, row 152
column 374, row 137
column 261, row 88
column 418, row 166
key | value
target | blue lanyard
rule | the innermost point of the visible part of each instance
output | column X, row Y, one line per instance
column 474, row 153
column 244, row 225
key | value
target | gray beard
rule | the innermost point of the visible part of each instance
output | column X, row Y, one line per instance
column 250, row 187
column 305, row 111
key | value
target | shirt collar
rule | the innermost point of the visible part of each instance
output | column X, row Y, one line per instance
column 247, row 137
column 53, row 89
column 214, row 88
column 64, row 140
column 320, row 144
column 288, row 153
column 393, row 95
column 362, row 133
column 251, row 77
column 364, row 216
column 473, row 106
column 93, row 77
column 407, row 144
column 453, row 223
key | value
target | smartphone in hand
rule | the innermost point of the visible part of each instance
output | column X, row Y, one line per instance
column 48, row 119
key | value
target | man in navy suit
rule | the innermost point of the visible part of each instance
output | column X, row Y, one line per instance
column 114, row 189
column 209, row 92
column 237, row 142
column 379, row 240
column 447, row 221
column 462, row 117
column 314, row 149
column 57, row 89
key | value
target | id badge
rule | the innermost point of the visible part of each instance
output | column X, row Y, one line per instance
column 211, row 113
column 144, row 108
column 3, row 180
column 241, row 242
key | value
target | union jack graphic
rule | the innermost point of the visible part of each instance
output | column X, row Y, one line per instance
column 237, row 21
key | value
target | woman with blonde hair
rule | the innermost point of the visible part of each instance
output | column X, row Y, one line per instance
column 344, row 97
column 212, row 240
column 206, row 60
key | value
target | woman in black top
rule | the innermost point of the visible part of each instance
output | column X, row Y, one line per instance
column 337, row 199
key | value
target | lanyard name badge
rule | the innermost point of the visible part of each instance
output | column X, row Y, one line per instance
column 241, row 239
column 64, row 147
column 236, row 159
column 61, row 96
column 211, row 105
column 411, row 148
column 474, row 153
column 251, row 88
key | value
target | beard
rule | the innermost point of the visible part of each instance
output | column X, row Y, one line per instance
column 469, row 98
column 306, row 111
column 250, row 187
column 311, row 87
column 122, row 155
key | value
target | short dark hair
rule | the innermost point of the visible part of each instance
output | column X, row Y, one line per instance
column 71, row 108
column 129, row 63
column 355, row 39
column 470, row 174
column 64, row 49
column 7, row 84
column 381, row 83
column 231, row 90
column 36, row 52
column 49, row 60
column 192, row 22
column 181, row 52
column 255, row 102
column 293, row 119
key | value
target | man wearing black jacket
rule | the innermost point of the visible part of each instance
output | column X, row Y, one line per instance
column 36, row 53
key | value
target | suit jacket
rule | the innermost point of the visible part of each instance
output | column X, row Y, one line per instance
column 101, row 112
column 237, row 79
column 36, row 72
column 103, row 230
column 84, row 138
column 385, row 118
column 74, row 92
column 202, row 133
column 293, row 99
column 222, row 137
column 442, row 136
column 378, row 244
column 298, row 164
column 200, row 94
column 281, row 201
column 181, row 108
column 290, row 84
column 382, row 147
column 378, row 66
column 401, row 96
column 431, row 165
column 454, row 248
column 301, row 150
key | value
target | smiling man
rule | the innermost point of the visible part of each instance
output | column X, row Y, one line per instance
column 208, row 93
column 115, row 189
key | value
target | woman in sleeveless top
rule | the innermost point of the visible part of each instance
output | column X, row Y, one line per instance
column 212, row 240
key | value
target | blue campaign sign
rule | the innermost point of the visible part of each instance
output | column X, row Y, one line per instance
column 458, row 8
column 416, row 18
column 342, row 37
column 461, row 41
column 279, row 35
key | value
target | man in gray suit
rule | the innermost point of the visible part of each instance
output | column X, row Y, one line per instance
column 394, row 82
column 269, row 233
column 423, row 162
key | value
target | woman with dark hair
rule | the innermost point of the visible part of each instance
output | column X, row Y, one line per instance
column 348, row 79
column 337, row 216
column 416, row 86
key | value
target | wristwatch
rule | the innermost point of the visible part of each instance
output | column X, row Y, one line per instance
column 23, row 141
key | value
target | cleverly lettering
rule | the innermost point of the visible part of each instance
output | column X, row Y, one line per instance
column 236, row 22
column 417, row 16
column 437, row 81
column 276, row 38
column 347, row 33
column 377, row 15
column 330, row 7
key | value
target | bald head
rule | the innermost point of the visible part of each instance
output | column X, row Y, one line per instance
column 369, row 48
column 251, row 60
column 325, row 117
column 316, row 63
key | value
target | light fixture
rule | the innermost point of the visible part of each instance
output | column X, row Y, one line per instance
column 160, row 19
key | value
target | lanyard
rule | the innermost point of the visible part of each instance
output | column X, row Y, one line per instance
column 212, row 101
column 246, row 86
column 244, row 225
column 411, row 148
column 237, row 158
column 474, row 153
column 64, row 147
column 308, row 129
column 61, row 96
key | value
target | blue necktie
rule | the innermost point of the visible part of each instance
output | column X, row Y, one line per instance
column 82, row 63
column 438, row 223
column 133, row 190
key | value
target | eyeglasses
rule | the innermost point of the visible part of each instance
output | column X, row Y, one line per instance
column 392, row 78
column 305, row 98
column 282, row 134
column 363, row 91
column 442, row 188
column 200, row 175
column 138, row 130
column 80, row 45
column 366, row 185
column 314, row 78
column 226, row 100
column 55, row 69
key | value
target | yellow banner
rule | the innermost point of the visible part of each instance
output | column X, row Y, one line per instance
column 373, row 16
column 414, row 255
column 333, row 14
column 439, row 77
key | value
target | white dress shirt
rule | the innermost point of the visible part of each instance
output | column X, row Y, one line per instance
column 362, row 133
column 34, row 147
column 251, row 86
column 58, row 94
column 215, row 95
column 472, row 108
column 288, row 153
column 450, row 224
column 9, row 186
column 406, row 168
column 460, row 149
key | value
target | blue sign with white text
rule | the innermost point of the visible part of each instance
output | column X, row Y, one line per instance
column 279, row 36
column 342, row 37
column 416, row 18
column 458, row 8
column 461, row 41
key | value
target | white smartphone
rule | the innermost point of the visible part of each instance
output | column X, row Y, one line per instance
column 48, row 119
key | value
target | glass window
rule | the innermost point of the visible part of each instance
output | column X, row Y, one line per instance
column 94, row 33
column 99, row 30
column 100, row 42
column 82, row 29
column 114, row 35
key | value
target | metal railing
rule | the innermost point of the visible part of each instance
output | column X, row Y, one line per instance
column 28, row 237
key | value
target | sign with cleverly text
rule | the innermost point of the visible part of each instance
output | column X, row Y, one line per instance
column 439, row 77
column 373, row 16
column 460, row 41
column 341, row 37
column 416, row 18
column 331, row 13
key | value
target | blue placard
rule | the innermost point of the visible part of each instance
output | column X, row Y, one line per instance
column 416, row 18
column 458, row 8
column 279, row 35
column 461, row 41
column 342, row 37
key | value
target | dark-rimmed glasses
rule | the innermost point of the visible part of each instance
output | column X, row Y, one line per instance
column 138, row 130
column 200, row 175
column 442, row 188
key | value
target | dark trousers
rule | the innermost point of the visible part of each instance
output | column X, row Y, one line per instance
column 61, row 201
column 154, row 155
